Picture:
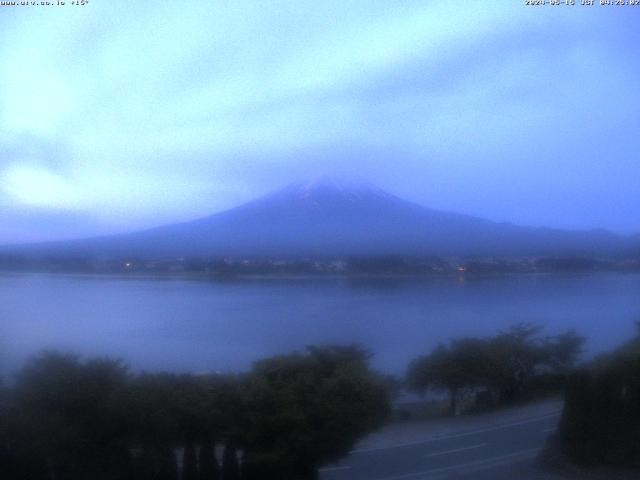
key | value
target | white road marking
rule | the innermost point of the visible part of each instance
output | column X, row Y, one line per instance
column 457, row 435
column 333, row 469
column 455, row 450
column 488, row 462
column 549, row 430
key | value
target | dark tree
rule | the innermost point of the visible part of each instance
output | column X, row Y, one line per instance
column 514, row 356
column 207, row 461
column 74, row 415
column 73, row 419
column 601, row 419
column 460, row 365
column 309, row 409
column 230, row 466
column 190, row 462
column 562, row 352
column 506, row 367
column 167, row 468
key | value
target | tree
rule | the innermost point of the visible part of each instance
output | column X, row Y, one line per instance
column 519, row 355
column 190, row 462
column 72, row 412
column 77, row 419
column 513, row 357
column 155, row 405
column 600, row 423
column 230, row 466
column 309, row 408
column 561, row 353
column 208, row 464
column 506, row 364
column 460, row 365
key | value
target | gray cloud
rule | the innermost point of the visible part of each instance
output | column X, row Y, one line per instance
column 27, row 147
column 503, row 112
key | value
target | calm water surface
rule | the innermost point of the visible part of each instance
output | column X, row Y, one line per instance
column 197, row 325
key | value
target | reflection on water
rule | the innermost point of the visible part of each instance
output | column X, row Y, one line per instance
column 198, row 325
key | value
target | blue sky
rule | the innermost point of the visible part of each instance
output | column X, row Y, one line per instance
column 120, row 115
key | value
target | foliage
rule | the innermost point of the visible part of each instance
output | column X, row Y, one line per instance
column 71, row 413
column 601, row 419
column 505, row 364
column 73, row 419
column 308, row 409
column 460, row 365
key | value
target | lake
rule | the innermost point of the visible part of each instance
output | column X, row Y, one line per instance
column 200, row 325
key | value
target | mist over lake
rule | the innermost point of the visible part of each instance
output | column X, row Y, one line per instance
column 205, row 325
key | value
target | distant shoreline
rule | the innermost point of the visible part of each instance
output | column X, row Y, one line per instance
column 307, row 277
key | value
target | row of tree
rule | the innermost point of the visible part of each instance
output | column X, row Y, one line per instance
column 69, row 419
column 65, row 418
column 500, row 369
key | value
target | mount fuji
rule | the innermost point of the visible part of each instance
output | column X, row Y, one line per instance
column 330, row 218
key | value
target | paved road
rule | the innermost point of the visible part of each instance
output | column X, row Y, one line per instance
column 492, row 452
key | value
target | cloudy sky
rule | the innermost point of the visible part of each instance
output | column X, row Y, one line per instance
column 125, row 114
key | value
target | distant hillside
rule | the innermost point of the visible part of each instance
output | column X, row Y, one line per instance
column 326, row 218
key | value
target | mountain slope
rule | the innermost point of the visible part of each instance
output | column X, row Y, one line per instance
column 328, row 218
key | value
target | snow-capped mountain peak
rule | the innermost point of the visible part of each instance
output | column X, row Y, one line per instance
column 329, row 186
